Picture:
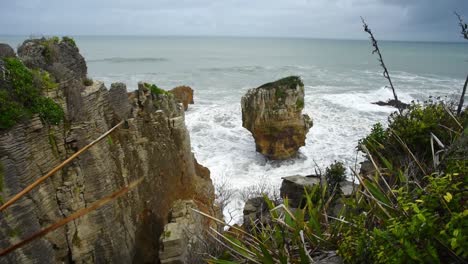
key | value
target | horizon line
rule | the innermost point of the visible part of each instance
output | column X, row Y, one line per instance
column 26, row 36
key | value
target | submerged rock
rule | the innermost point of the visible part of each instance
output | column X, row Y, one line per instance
column 393, row 103
column 183, row 94
column 6, row 51
column 273, row 114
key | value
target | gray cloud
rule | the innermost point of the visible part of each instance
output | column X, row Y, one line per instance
column 390, row 19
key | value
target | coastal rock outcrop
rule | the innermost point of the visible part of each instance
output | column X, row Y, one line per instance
column 152, row 144
column 6, row 51
column 183, row 94
column 273, row 114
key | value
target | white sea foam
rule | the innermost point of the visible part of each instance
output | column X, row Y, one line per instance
column 341, row 109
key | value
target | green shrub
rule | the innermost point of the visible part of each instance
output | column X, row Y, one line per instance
column 22, row 82
column 48, row 110
column 300, row 104
column 334, row 175
column 155, row 89
column 411, row 131
column 69, row 40
column 48, row 45
column 87, row 81
column 25, row 98
column 414, row 225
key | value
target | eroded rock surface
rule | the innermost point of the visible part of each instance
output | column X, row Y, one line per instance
column 183, row 94
column 153, row 144
column 273, row 114
column 6, row 51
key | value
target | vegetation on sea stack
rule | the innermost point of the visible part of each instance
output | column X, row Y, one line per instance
column 22, row 95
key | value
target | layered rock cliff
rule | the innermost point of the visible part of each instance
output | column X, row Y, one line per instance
column 153, row 143
column 273, row 114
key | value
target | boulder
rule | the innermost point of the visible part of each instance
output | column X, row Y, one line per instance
column 273, row 114
column 183, row 94
column 6, row 51
column 292, row 188
column 255, row 211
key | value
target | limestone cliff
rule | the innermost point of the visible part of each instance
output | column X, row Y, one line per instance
column 153, row 143
column 273, row 114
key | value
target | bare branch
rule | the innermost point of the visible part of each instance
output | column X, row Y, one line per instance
column 382, row 64
column 464, row 26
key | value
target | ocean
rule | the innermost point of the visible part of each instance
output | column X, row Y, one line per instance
column 342, row 79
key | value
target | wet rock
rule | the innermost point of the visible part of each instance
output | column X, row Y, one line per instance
column 393, row 103
column 273, row 114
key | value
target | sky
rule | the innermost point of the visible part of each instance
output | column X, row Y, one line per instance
column 415, row 20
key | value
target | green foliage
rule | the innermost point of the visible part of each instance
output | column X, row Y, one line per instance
column 375, row 139
column 334, row 175
column 156, row 90
column 44, row 80
column 69, row 40
column 410, row 225
column 288, row 238
column 24, row 97
column 87, row 81
column 300, row 104
column 280, row 93
column 412, row 131
column 48, row 45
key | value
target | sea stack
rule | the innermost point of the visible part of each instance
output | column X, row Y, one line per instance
column 273, row 114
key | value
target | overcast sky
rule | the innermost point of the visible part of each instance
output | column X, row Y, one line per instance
column 390, row 19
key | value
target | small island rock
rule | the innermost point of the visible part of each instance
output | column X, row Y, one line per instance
column 273, row 114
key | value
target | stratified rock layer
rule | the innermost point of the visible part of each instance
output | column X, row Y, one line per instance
column 153, row 144
column 183, row 94
column 273, row 114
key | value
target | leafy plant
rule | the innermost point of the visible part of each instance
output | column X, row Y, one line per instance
column 87, row 81
column 155, row 89
column 69, row 40
column 22, row 96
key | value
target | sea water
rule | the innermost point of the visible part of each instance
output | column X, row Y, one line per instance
column 342, row 79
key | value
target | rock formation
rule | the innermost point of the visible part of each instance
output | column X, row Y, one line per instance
column 6, row 51
column 273, row 114
column 183, row 94
column 153, row 143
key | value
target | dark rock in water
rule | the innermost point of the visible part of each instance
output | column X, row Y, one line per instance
column 6, row 51
column 393, row 103
column 292, row 188
column 255, row 209
column 273, row 114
